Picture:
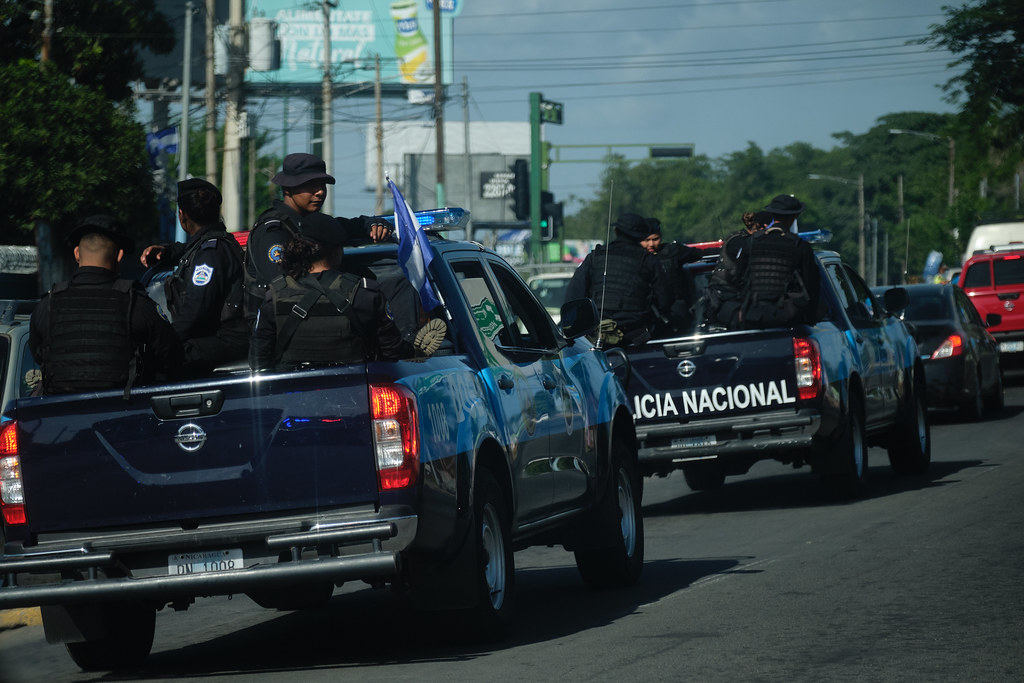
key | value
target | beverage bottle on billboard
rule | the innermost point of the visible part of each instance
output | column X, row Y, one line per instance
column 410, row 43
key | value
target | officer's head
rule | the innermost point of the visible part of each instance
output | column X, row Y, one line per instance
column 631, row 227
column 303, row 180
column 652, row 242
column 199, row 200
column 784, row 209
column 100, row 240
column 318, row 245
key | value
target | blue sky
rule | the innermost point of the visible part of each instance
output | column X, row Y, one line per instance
column 716, row 73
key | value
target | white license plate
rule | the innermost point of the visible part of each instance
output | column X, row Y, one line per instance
column 1011, row 347
column 203, row 562
column 694, row 441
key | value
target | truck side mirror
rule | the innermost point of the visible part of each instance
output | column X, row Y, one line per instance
column 896, row 299
column 579, row 318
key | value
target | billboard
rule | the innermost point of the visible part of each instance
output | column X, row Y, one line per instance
column 401, row 32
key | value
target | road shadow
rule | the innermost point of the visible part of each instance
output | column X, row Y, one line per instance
column 802, row 489
column 377, row 628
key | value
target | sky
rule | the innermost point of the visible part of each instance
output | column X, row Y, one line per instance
column 719, row 74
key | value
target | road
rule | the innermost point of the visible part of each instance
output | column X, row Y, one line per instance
column 765, row 580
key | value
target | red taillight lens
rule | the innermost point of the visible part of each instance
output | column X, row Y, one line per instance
column 807, row 361
column 395, row 435
column 12, row 493
column 952, row 346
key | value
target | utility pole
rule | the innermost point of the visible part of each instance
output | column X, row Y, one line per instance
column 186, row 93
column 327, row 104
column 231, row 186
column 379, row 206
column 44, row 55
column 438, row 106
column 469, row 156
column 211, row 94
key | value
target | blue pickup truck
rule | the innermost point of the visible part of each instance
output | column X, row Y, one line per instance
column 715, row 402
column 423, row 475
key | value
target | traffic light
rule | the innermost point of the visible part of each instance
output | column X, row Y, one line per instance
column 550, row 216
column 521, row 189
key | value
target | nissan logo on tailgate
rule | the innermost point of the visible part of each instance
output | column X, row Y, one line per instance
column 190, row 437
column 686, row 368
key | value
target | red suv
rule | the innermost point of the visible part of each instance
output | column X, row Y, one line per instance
column 994, row 279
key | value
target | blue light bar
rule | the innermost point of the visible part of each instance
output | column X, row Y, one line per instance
column 816, row 236
column 451, row 218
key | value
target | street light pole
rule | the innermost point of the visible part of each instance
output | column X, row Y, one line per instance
column 936, row 138
column 859, row 182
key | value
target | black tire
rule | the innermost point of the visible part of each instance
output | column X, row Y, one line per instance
column 974, row 406
column 910, row 447
column 128, row 640
column 994, row 401
column 849, row 479
column 621, row 526
column 704, row 477
column 490, row 619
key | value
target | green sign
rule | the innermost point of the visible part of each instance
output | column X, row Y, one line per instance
column 550, row 112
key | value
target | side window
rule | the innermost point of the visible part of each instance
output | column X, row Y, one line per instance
column 28, row 374
column 482, row 302
column 978, row 275
column 532, row 324
column 844, row 290
column 1008, row 270
column 968, row 313
column 864, row 301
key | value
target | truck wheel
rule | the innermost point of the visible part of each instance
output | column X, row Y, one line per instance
column 622, row 523
column 910, row 447
column 704, row 477
column 851, row 477
column 128, row 638
column 495, row 566
column 994, row 401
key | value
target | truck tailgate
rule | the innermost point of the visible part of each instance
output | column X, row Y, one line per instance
column 211, row 450
column 713, row 376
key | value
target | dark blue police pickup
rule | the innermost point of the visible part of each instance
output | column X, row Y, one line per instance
column 714, row 403
column 422, row 474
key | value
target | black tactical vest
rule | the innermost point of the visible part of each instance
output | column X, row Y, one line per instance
column 176, row 285
column 725, row 287
column 89, row 340
column 621, row 292
column 774, row 292
column 325, row 335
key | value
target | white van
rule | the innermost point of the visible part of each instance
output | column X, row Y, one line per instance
column 993, row 235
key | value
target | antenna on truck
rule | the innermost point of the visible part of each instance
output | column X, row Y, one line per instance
column 604, row 276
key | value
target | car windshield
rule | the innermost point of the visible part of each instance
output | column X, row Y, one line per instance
column 1009, row 270
column 932, row 306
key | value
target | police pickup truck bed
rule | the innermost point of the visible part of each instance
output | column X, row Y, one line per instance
column 714, row 403
column 423, row 474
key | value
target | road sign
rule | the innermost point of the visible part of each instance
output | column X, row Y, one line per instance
column 550, row 112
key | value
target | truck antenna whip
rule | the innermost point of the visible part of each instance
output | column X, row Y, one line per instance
column 604, row 276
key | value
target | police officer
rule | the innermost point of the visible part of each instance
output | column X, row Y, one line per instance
column 204, row 293
column 672, row 256
column 303, row 180
column 782, row 279
column 724, row 294
column 96, row 331
column 625, row 282
column 315, row 314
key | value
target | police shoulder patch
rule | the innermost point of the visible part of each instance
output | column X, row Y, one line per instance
column 274, row 253
column 202, row 275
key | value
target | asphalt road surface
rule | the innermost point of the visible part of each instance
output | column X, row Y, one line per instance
column 764, row 580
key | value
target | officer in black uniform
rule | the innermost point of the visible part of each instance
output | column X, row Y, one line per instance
column 625, row 282
column 672, row 257
column 97, row 331
column 783, row 283
column 204, row 293
column 316, row 315
column 303, row 181
column 724, row 294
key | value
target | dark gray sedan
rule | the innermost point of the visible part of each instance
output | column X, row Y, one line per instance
column 961, row 358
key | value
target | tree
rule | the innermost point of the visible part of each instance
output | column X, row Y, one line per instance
column 67, row 152
column 96, row 42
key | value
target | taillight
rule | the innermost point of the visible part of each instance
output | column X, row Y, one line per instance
column 952, row 346
column 395, row 435
column 12, row 493
column 808, row 368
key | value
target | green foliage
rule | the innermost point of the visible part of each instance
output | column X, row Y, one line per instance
column 68, row 152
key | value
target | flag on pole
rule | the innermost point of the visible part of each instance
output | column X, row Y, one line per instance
column 414, row 250
column 165, row 140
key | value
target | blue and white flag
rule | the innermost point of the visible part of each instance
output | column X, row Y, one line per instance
column 414, row 250
column 165, row 140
